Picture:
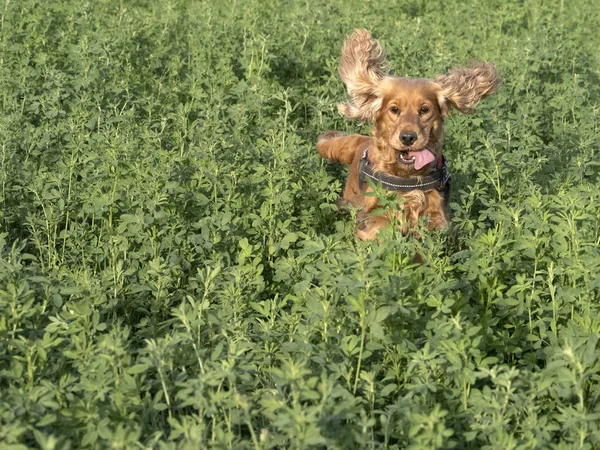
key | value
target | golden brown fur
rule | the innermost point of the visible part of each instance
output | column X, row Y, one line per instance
column 407, row 116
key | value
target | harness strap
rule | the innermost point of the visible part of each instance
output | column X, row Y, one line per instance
column 438, row 179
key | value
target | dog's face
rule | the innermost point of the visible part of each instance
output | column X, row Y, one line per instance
column 407, row 114
column 409, row 125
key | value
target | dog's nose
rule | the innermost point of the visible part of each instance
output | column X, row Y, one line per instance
column 408, row 137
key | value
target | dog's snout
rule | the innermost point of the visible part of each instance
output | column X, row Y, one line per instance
column 408, row 137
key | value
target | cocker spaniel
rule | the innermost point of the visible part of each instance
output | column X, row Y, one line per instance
column 405, row 152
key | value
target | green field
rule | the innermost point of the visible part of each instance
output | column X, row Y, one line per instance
column 174, row 273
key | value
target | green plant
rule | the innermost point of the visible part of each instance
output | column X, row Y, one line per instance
column 174, row 272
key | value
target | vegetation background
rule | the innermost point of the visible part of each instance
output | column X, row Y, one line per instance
column 174, row 272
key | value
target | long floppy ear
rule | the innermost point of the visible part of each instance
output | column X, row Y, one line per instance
column 462, row 88
column 361, row 69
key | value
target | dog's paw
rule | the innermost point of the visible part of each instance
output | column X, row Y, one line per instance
column 330, row 135
column 342, row 203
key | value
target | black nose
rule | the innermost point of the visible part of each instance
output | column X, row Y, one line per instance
column 408, row 137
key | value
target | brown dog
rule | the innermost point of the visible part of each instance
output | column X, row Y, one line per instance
column 405, row 152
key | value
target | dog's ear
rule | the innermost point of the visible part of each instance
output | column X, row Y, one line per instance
column 462, row 88
column 361, row 69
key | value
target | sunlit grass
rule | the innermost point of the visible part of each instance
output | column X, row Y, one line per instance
column 174, row 272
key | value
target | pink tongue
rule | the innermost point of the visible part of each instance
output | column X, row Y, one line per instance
column 422, row 158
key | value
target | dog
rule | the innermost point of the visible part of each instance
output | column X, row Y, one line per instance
column 405, row 152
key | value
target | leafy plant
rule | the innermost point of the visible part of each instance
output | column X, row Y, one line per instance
column 174, row 272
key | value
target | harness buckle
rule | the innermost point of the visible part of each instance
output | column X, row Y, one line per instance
column 445, row 175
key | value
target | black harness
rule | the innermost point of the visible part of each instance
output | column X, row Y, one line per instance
column 439, row 178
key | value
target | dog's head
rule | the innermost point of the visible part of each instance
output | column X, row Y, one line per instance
column 407, row 113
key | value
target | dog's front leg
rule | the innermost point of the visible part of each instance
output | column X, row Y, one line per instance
column 368, row 226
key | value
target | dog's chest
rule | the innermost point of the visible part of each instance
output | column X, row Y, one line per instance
column 415, row 204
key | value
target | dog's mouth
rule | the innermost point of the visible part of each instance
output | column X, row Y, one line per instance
column 419, row 158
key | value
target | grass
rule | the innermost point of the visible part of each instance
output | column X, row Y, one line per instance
column 174, row 272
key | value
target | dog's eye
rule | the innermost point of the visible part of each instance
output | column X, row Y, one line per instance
column 395, row 110
column 424, row 110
